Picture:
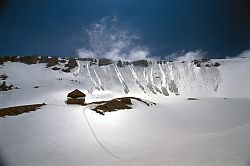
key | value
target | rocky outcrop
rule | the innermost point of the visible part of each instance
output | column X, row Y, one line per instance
column 141, row 63
column 197, row 63
column 29, row 59
column 71, row 63
column 44, row 59
column 119, row 63
column 55, row 68
column 216, row 64
column 86, row 59
column 122, row 63
column 192, row 98
column 14, row 111
column 104, row 62
column 116, row 104
column 8, row 59
column 62, row 61
column 52, row 61
column 66, row 70
column 3, row 77
column 5, row 87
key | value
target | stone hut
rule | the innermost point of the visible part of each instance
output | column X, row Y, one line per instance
column 76, row 97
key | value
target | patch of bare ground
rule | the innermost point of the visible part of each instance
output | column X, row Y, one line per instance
column 14, row 111
column 192, row 98
column 3, row 77
column 5, row 87
column 116, row 104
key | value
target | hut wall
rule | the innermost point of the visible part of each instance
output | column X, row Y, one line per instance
column 79, row 101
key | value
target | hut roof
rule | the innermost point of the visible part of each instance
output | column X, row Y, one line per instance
column 76, row 93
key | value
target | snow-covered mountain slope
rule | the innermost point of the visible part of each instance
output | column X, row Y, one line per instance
column 170, row 78
column 229, row 79
column 211, row 131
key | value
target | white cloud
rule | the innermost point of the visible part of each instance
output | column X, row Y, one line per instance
column 189, row 56
column 107, row 39
column 244, row 54
column 83, row 53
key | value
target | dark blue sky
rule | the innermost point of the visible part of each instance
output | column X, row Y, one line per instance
column 55, row 27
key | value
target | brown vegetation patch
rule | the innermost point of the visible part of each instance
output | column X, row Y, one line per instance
column 116, row 104
column 14, row 111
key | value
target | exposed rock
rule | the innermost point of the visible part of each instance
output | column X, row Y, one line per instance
column 86, row 59
column 196, row 61
column 14, row 59
column 122, row 63
column 191, row 98
column 116, row 104
column 44, row 59
column 55, row 68
column 204, row 60
column 11, row 58
column 198, row 65
column 216, row 64
column 71, row 63
column 8, row 58
column 2, row 60
column 52, row 61
column 103, row 62
column 94, row 62
column 14, row 111
column 164, row 91
column 119, row 63
column 208, row 65
column 37, row 86
column 5, row 87
column 126, row 63
column 141, row 63
column 66, row 70
column 29, row 59
column 62, row 61
column 173, row 87
column 3, row 77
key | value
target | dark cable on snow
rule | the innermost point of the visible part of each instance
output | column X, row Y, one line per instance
column 96, row 138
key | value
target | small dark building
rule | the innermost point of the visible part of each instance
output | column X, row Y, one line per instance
column 76, row 97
